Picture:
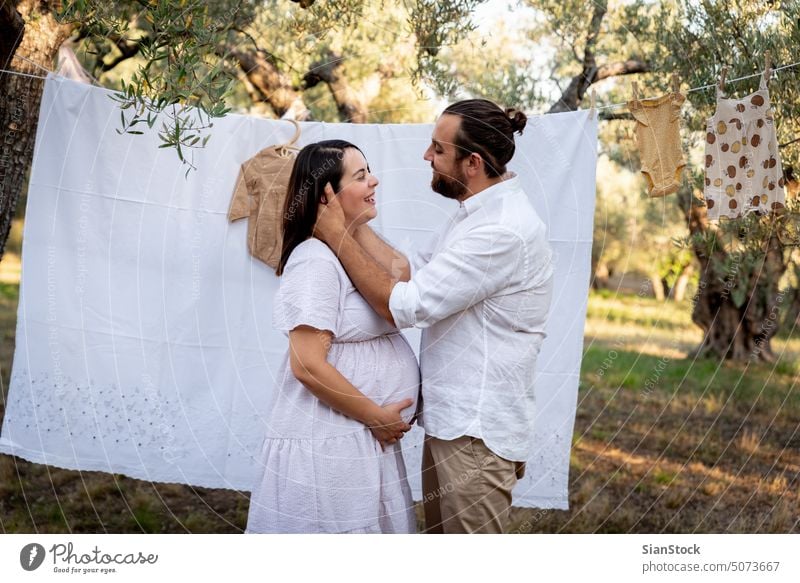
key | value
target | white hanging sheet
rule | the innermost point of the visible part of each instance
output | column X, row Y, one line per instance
column 144, row 337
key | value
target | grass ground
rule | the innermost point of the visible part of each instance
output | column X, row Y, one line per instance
column 666, row 444
column 662, row 443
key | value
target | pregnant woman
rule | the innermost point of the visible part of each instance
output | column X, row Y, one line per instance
column 347, row 390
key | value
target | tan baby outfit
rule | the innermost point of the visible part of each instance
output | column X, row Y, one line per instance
column 743, row 168
column 659, row 141
column 259, row 195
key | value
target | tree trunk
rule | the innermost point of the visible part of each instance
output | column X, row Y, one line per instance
column 601, row 276
column 29, row 31
column 735, row 326
column 658, row 286
column 274, row 86
column 740, row 332
column 349, row 103
column 11, row 25
column 679, row 289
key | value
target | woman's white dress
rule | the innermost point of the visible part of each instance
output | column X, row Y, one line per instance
column 322, row 471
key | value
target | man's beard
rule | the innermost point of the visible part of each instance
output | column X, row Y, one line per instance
column 454, row 187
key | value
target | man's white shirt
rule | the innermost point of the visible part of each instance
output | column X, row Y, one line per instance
column 482, row 294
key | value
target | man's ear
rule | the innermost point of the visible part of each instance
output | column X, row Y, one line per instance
column 474, row 164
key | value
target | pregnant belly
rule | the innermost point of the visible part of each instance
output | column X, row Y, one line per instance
column 384, row 369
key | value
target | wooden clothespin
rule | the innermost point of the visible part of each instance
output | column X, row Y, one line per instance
column 722, row 75
column 676, row 84
column 592, row 108
column 767, row 65
column 635, row 90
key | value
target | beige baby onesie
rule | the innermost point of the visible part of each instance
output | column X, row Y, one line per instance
column 659, row 141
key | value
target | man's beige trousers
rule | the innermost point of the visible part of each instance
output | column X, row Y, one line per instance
column 466, row 487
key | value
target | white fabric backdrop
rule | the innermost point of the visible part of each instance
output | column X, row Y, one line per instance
column 144, row 338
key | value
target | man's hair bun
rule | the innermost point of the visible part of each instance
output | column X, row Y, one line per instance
column 517, row 118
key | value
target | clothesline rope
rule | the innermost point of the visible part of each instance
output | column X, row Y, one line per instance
column 22, row 74
column 611, row 106
column 704, row 87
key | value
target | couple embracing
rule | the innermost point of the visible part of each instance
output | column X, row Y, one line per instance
column 349, row 388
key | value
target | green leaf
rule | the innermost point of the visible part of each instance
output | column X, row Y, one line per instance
column 739, row 295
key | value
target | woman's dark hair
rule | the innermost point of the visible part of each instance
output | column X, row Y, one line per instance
column 315, row 166
column 488, row 130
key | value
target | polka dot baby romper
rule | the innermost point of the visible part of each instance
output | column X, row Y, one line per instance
column 743, row 168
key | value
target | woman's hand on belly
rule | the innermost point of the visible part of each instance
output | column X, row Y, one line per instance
column 308, row 352
column 388, row 426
